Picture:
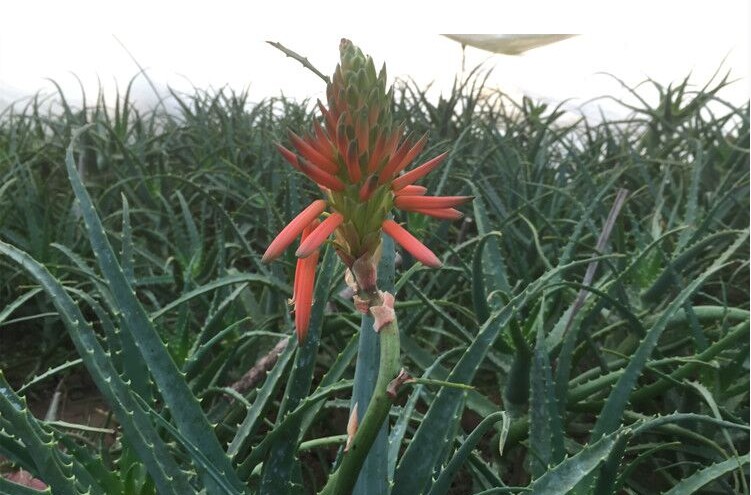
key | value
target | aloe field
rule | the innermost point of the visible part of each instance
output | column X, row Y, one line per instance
column 382, row 293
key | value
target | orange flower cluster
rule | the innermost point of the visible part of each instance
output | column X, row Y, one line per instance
column 358, row 159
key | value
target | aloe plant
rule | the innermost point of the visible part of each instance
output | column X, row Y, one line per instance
column 586, row 333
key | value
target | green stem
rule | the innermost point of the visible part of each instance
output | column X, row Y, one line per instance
column 344, row 478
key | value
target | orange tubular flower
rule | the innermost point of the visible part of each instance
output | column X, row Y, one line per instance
column 358, row 157
column 411, row 244
column 305, row 277
column 293, row 229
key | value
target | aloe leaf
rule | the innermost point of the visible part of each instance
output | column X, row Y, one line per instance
column 546, row 426
column 454, row 326
column 612, row 411
column 443, row 483
column 126, row 254
column 703, row 477
column 503, row 489
column 51, row 464
column 200, row 459
column 13, row 449
column 49, row 373
column 569, row 473
column 571, row 331
column 475, row 400
column 213, row 321
column 494, row 266
column 183, row 405
column 479, row 291
column 136, row 425
column 373, row 479
column 334, row 374
column 194, row 239
column 289, row 422
column 690, row 215
column 197, row 358
column 277, row 469
column 225, row 216
column 646, row 392
column 675, row 265
column 421, row 456
column 253, row 416
column 645, row 425
column 237, row 278
column 405, row 416
column 89, row 464
column 10, row 308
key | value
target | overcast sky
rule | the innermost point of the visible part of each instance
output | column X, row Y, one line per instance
column 213, row 44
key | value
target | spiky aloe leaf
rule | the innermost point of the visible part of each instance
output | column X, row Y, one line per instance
column 569, row 473
column 422, row 454
column 612, row 411
column 236, row 278
column 49, row 373
column 13, row 450
column 546, row 426
column 10, row 308
column 253, row 416
column 443, row 483
column 181, row 402
column 494, row 266
column 479, row 269
column 136, row 425
column 405, row 416
column 665, row 278
column 290, row 423
column 701, row 478
column 333, row 375
column 570, row 329
column 211, row 326
column 588, row 388
column 277, row 469
column 373, row 479
column 126, row 254
column 50, row 463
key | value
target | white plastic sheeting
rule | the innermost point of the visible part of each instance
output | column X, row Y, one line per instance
column 568, row 71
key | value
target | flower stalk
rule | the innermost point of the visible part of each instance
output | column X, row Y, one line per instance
column 344, row 478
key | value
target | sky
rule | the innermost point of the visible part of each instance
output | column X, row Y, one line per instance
column 206, row 45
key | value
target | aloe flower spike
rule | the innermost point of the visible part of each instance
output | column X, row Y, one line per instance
column 359, row 157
